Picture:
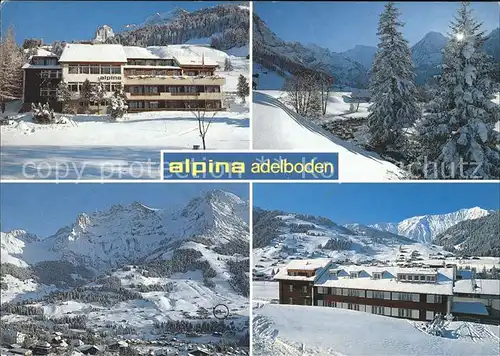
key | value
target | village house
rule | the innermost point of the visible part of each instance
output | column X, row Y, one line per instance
column 150, row 79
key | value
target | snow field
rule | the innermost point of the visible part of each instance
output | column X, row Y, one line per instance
column 277, row 127
column 333, row 331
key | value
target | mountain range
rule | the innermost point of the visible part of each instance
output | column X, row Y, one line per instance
column 352, row 67
column 224, row 26
column 426, row 230
column 124, row 234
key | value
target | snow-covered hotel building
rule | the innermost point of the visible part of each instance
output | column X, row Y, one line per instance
column 392, row 291
column 151, row 78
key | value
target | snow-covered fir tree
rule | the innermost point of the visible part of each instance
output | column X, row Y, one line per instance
column 228, row 66
column 11, row 74
column 394, row 95
column 97, row 93
column 457, row 137
column 63, row 94
column 86, row 93
column 117, row 104
column 243, row 88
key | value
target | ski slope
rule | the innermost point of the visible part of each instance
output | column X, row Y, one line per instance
column 277, row 127
column 304, row 330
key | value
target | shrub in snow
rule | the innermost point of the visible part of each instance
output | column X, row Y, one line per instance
column 394, row 96
column 42, row 114
column 457, row 137
column 86, row 93
column 97, row 93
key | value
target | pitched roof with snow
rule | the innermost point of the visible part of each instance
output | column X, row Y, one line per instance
column 134, row 52
column 195, row 61
column 339, row 277
column 105, row 53
column 478, row 286
column 41, row 52
column 304, row 265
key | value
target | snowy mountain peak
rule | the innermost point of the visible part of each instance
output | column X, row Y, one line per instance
column 103, row 33
column 22, row 235
column 164, row 17
column 82, row 221
column 426, row 227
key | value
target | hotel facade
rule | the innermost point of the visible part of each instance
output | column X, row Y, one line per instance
column 410, row 293
column 151, row 78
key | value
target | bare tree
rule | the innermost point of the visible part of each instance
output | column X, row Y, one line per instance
column 324, row 82
column 302, row 93
column 204, row 115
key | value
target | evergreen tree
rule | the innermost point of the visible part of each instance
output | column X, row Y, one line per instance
column 97, row 94
column 243, row 89
column 228, row 66
column 457, row 137
column 63, row 94
column 11, row 74
column 117, row 104
column 394, row 94
column 86, row 93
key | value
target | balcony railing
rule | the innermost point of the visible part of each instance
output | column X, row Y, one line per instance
column 145, row 94
column 185, row 94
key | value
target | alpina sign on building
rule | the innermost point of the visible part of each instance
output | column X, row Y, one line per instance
column 110, row 77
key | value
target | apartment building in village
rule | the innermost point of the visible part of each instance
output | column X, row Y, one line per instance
column 151, row 78
column 412, row 293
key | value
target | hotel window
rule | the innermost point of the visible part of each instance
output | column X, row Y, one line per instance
column 115, row 86
column 94, row 69
column 422, row 278
column 190, row 89
column 304, row 289
column 377, row 275
column 402, row 277
column 404, row 313
column 46, row 92
column 172, row 89
column 353, row 306
column 190, row 73
column 116, row 70
column 290, row 288
column 106, row 86
column 354, row 274
column 322, row 290
column 73, row 87
column 431, row 278
column 410, row 277
column 44, row 74
column 378, row 295
column 353, row 293
column 55, row 74
column 105, row 70
column 369, row 294
column 151, row 90
column 73, row 69
column 290, row 300
column 377, row 310
column 320, row 303
column 84, row 69
column 153, row 105
column 429, row 315
column 432, row 298
column 332, row 304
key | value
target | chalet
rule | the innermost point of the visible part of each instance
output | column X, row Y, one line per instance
column 89, row 349
column 42, row 348
column 296, row 281
column 152, row 79
column 41, row 75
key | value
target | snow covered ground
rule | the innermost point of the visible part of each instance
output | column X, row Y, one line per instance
column 92, row 147
column 277, row 127
column 303, row 330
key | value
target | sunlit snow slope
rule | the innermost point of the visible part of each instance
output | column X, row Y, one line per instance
column 277, row 127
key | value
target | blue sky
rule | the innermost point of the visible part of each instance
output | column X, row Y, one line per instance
column 43, row 208
column 78, row 20
column 372, row 203
column 340, row 26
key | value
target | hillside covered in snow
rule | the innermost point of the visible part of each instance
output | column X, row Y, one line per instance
column 223, row 26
